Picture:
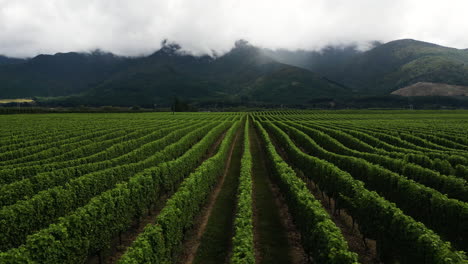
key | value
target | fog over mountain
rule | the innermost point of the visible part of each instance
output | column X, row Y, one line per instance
column 132, row 28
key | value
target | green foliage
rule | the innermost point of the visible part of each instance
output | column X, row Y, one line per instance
column 419, row 201
column 453, row 186
column 378, row 218
column 92, row 227
column 321, row 238
column 177, row 215
column 35, row 178
column 23, row 218
column 71, row 183
column 243, row 251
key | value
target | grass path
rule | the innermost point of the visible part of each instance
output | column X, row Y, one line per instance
column 271, row 239
column 209, row 241
column 215, row 244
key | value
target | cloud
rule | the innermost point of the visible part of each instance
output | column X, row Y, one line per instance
column 30, row 27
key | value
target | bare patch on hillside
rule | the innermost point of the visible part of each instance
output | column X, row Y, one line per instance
column 432, row 89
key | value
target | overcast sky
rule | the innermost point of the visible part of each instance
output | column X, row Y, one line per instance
column 137, row 27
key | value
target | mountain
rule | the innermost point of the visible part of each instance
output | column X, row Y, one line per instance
column 245, row 74
column 152, row 79
column 325, row 61
column 56, row 75
column 390, row 66
column 401, row 63
column 6, row 60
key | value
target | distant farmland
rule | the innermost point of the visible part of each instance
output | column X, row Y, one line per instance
column 266, row 187
column 8, row 101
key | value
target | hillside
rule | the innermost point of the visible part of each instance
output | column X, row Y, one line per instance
column 56, row 75
column 432, row 89
column 243, row 75
column 400, row 63
column 6, row 60
column 326, row 62
column 390, row 66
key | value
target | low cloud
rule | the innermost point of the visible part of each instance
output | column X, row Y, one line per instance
column 31, row 27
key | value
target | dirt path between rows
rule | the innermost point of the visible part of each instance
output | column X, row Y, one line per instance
column 193, row 237
column 365, row 248
column 124, row 240
column 216, row 241
column 275, row 235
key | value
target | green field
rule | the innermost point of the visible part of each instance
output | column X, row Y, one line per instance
column 291, row 186
column 8, row 101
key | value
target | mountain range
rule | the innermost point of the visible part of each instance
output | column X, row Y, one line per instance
column 386, row 67
column 244, row 75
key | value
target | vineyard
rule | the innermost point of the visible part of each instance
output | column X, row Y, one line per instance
column 262, row 187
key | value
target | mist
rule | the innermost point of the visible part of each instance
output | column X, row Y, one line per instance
column 134, row 28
